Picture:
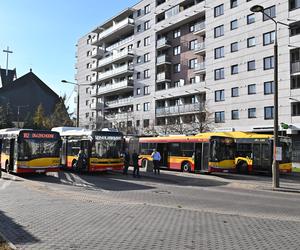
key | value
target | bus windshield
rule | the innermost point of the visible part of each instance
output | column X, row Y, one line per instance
column 222, row 148
column 36, row 148
column 107, row 148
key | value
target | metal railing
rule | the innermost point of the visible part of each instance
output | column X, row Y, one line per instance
column 199, row 46
column 180, row 109
column 162, row 59
column 199, row 66
column 199, row 26
column 120, row 101
column 113, row 57
column 113, row 72
column 161, row 76
column 162, row 42
column 114, row 86
column 120, row 43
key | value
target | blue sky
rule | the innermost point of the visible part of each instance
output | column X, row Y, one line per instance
column 43, row 33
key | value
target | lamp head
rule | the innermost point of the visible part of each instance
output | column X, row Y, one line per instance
column 257, row 8
column 64, row 81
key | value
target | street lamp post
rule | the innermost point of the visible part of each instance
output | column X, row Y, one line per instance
column 275, row 166
column 18, row 113
column 77, row 111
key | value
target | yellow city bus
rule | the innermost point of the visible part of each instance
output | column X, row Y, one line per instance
column 29, row 151
column 254, row 152
column 206, row 152
column 102, row 149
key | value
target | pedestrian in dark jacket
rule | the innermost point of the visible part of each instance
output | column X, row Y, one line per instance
column 81, row 160
column 135, row 162
column 126, row 162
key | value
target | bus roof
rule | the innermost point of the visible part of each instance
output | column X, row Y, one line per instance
column 240, row 134
column 72, row 131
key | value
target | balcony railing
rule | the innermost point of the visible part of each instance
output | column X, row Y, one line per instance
column 178, row 110
column 115, row 27
column 199, row 66
column 295, row 67
column 114, row 57
column 199, row 27
column 115, row 86
column 120, row 43
column 119, row 101
column 163, row 59
column 162, row 77
column 114, row 72
column 199, row 46
column 162, row 42
column 98, row 52
column 124, row 116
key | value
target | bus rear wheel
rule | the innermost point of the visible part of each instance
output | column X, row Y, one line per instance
column 186, row 167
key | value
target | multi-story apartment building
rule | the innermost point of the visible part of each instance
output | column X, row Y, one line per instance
column 168, row 64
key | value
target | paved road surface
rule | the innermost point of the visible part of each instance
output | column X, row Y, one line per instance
column 171, row 211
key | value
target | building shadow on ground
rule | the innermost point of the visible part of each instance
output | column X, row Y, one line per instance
column 15, row 232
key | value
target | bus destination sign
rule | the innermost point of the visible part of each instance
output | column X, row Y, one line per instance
column 38, row 135
column 107, row 138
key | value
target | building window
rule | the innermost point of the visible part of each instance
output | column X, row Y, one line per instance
column 146, row 73
column 233, row 3
column 146, row 106
column 234, row 24
column 138, row 44
column 296, row 109
column 220, row 117
column 251, row 42
column 295, row 82
column 192, row 63
column 147, row 57
column 138, row 12
column 138, row 107
column 295, row 28
column 138, row 59
column 220, row 95
column 251, row 89
column 235, row 92
column 176, row 33
column 138, row 91
column 219, row 31
column 176, row 50
column 146, row 123
column 269, row 37
column 138, row 28
column 269, row 111
column 268, row 88
column 192, row 44
column 146, row 90
column 147, row 9
column 192, row 80
column 219, row 74
column 138, row 75
column 176, row 68
column 251, row 18
column 251, row 65
column 269, row 62
column 147, row 41
column 234, row 69
column 219, row 10
column 294, row 4
column 138, row 123
column 234, row 114
column 219, row 52
column 271, row 11
column 252, row 113
column 234, row 47
column 147, row 25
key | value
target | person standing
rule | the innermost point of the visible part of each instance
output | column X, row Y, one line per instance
column 126, row 162
column 81, row 161
column 135, row 162
column 156, row 159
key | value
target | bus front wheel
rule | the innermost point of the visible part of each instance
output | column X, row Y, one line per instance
column 186, row 167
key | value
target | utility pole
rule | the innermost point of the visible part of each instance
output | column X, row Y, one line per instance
column 7, row 51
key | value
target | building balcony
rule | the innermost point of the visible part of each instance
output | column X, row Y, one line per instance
column 120, row 43
column 114, row 58
column 199, row 28
column 119, row 102
column 96, row 105
column 115, row 88
column 200, row 67
column 295, row 68
column 199, row 48
column 163, row 59
column 117, row 30
column 163, row 43
column 119, row 116
column 119, row 71
column 98, row 53
column 180, row 110
column 163, row 77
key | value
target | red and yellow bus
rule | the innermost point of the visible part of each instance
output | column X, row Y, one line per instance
column 102, row 149
column 29, row 151
column 206, row 152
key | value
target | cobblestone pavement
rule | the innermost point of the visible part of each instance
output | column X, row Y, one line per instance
column 171, row 211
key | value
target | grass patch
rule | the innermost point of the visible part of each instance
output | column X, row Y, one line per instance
column 296, row 170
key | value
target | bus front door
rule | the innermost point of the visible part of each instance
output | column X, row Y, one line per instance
column 12, row 155
column 198, row 157
column 205, row 156
column 261, row 157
